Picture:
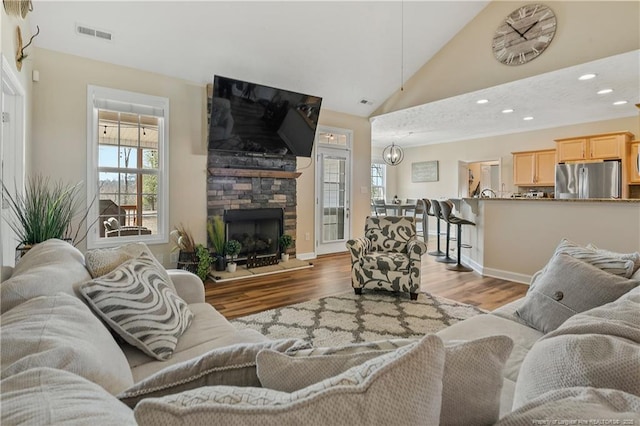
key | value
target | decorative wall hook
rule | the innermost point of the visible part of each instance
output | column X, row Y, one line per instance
column 20, row 55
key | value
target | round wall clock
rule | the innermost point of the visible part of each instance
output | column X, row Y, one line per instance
column 524, row 34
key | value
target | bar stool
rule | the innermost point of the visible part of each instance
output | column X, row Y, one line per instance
column 445, row 258
column 435, row 213
column 446, row 208
column 420, row 217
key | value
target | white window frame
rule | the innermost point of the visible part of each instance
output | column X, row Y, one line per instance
column 384, row 179
column 136, row 103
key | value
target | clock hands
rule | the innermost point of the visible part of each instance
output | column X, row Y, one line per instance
column 527, row 30
column 519, row 33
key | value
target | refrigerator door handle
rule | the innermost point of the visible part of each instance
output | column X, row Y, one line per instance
column 583, row 182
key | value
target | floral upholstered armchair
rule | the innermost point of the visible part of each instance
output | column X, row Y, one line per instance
column 388, row 257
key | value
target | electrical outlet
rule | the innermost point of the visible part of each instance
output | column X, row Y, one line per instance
column 307, row 236
column 173, row 257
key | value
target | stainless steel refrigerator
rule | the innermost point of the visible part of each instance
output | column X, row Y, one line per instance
column 589, row 180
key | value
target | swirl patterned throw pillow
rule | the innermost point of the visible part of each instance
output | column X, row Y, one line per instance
column 136, row 301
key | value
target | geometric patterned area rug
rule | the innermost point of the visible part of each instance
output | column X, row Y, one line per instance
column 350, row 318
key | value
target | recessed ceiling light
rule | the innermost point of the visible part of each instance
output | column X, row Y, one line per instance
column 620, row 102
column 527, row 118
column 482, row 101
column 586, row 77
column 604, row 91
column 507, row 111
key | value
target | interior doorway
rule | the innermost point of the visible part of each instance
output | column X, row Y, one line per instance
column 474, row 177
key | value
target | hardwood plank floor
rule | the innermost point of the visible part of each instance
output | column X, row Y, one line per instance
column 331, row 275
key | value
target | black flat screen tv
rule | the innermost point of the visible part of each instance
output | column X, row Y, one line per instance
column 252, row 118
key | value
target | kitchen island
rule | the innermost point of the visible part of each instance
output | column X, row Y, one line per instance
column 515, row 237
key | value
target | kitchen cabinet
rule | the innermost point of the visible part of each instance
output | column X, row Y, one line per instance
column 607, row 146
column 534, row 168
column 634, row 162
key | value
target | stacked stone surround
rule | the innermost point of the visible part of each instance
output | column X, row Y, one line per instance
column 230, row 192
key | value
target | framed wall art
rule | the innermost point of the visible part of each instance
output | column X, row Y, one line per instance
column 425, row 171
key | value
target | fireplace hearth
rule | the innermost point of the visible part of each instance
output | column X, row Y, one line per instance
column 257, row 230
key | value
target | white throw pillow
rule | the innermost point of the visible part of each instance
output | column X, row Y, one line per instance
column 635, row 256
column 233, row 365
column 472, row 374
column 61, row 332
column 47, row 269
column 102, row 261
column 577, row 406
column 138, row 303
column 598, row 348
column 47, row 396
column 401, row 387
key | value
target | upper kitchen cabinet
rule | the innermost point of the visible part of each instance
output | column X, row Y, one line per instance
column 608, row 146
column 534, row 168
column 634, row 162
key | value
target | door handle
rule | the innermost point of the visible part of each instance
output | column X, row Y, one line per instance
column 638, row 163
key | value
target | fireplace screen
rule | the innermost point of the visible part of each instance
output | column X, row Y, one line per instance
column 257, row 230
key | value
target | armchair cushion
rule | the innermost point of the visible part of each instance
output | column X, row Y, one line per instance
column 390, row 233
column 386, row 261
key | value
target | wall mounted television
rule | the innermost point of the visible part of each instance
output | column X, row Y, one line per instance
column 255, row 119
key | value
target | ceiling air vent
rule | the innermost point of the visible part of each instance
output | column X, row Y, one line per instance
column 366, row 102
column 92, row 32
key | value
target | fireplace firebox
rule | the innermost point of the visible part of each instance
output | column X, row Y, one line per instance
column 257, row 230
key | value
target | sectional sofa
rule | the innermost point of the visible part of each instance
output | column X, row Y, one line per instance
column 64, row 362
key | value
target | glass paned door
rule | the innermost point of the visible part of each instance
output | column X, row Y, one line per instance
column 333, row 203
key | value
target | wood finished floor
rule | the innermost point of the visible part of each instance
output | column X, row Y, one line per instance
column 331, row 275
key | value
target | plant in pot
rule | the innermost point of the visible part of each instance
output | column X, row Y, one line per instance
column 45, row 210
column 204, row 262
column 232, row 249
column 285, row 241
column 215, row 230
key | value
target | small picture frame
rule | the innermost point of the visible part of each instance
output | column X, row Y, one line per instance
column 425, row 171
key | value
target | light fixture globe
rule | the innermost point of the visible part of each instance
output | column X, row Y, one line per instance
column 393, row 154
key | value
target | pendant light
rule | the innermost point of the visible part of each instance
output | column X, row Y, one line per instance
column 393, row 154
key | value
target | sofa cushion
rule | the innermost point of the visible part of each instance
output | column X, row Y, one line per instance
column 136, row 301
column 50, row 267
column 209, row 330
column 598, row 348
column 612, row 263
column 401, row 387
column 577, row 406
column 472, row 374
column 233, row 365
column 569, row 286
column 61, row 332
column 102, row 261
column 46, row 396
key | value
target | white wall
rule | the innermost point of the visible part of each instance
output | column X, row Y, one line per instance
column 59, row 139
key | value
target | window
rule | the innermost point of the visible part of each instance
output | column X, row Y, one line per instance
column 377, row 181
column 127, row 174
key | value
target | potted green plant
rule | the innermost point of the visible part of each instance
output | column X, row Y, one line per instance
column 285, row 241
column 232, row 249
column 204, row 262
column 45, row 210
column 216, row 232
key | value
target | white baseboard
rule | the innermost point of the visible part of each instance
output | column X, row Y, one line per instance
column 306, row 256
column 497, row 273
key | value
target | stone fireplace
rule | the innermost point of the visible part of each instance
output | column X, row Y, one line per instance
column 255, row 195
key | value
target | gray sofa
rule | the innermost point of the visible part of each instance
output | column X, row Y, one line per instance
column 61, row 365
